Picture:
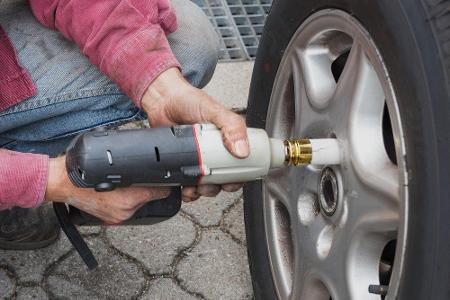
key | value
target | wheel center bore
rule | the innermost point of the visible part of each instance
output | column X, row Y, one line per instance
column 328, row 192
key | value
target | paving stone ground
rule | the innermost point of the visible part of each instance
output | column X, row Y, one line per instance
column 198, row 254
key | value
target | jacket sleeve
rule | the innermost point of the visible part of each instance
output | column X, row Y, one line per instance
column 23, row 179
column 126, row 39
column 15, row 82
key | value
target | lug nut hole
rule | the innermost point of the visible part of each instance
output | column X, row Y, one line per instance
column 328, row 191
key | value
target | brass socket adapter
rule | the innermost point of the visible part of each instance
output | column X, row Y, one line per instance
column 297, row 152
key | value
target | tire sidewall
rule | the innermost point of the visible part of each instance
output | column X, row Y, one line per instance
column 400, row 29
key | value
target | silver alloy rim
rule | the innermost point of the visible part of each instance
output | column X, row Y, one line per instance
column 317, row 255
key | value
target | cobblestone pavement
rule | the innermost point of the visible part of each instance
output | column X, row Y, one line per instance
column 199, row 254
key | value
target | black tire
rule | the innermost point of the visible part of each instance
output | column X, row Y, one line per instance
column 413, row 37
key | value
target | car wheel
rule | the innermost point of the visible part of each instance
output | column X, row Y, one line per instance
column 374, row 75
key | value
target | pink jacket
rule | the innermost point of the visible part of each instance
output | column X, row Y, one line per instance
column 125, row 39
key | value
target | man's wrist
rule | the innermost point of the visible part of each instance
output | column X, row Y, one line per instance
column 58, row 184
column 166, row 83
column 157, row 98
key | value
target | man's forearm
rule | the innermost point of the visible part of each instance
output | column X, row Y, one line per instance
column 23, row 179
column 125, row 39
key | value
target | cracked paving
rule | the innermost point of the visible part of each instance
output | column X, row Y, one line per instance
column 198, row 254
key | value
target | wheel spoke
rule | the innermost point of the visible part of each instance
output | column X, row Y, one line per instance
column 311, row 288
column 281, row 112
column 303, row 287
column 351, row 266
column 371, row 222
column 278, row 186
column 336, row 280
column 368, row 154
column 306, row 260
column 371, row 211
column 286, row 184
column 314, row 241
column 306, row 115
column 319, row 80
column 349, row 81
column 301, row 266
column 322, row 280
column 278, row 201
column 374, row 169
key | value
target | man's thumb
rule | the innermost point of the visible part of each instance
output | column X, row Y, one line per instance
column 234, row 133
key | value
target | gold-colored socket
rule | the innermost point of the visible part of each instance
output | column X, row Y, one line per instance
column 297, row 152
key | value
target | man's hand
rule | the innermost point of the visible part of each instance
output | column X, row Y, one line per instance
column 112, row 207
column 171, row 100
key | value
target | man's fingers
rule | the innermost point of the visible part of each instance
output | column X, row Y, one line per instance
column 231, row 125
column 187, row 199
column 208, row 190
column 190, row 199
column 159, row 193
column 190, row 192
column 232, row 187
column 234, row 132
column 142, row 195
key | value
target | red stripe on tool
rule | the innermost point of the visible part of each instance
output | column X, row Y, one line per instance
column 199, row 154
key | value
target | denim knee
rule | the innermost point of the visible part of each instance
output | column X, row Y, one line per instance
column 195, row 43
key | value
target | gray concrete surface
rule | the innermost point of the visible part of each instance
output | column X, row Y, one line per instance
column 230, row 83
column 199, row 254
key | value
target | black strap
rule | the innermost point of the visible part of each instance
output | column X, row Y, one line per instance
column 74, row 236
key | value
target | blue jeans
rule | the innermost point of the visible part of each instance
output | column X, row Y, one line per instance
column 72, row 95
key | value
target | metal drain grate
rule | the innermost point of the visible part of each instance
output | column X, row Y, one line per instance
column 239, row 24
column 249, row 17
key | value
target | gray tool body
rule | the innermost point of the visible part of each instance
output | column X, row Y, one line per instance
column 178, row 156
column 105, row 160
column 181, row 156
column 185, row 155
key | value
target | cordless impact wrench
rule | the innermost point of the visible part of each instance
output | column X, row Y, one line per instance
column 179, row 156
